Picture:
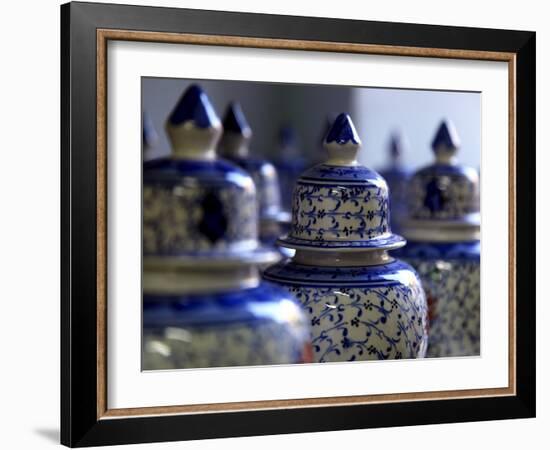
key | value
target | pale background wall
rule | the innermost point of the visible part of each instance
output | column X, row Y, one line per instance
column 376, row 113
column 29, row 230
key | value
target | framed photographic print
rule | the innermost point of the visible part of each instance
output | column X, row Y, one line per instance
column 276, row 224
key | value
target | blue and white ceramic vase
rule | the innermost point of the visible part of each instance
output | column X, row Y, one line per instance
column 204, row 304
column 397, row 176
column 443, row 235
column 362, row 303
column 234, row 146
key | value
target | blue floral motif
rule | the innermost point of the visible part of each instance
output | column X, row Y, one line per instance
column 343, row 174
column 196, row 206
column 450, row 274
column 443, row 192
column 359, row 313
column 340, row 215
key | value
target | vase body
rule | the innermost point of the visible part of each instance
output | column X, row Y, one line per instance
column 359, row 313
column 361, row 303
column 255, row 326
column 204, row 304
column 442, row 229
column 450, row 274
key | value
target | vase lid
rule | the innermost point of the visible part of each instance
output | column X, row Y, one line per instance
column 234, row 145
column 443, row 202
column 341, row 204
column 196, row 207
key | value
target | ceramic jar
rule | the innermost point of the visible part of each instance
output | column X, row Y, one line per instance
column 443, row 233
column 234, row 146
column 397, row 176
column 362, row 303
column 204, row 304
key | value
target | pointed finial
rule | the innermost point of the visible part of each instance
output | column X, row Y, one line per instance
column 342, row 142
column 445, row 142
column 236, row 132
column 234, row 121
column 194, row 106
column 193, row 126
column 342, row 131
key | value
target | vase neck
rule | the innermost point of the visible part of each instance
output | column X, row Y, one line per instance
column 171, row 279
column 336, row 258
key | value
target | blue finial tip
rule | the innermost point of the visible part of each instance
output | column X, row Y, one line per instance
column 342, row 131
column 194, row 106
column 446, row 137
column 235, row 121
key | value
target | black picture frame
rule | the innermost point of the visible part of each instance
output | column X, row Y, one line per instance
column 80, row 425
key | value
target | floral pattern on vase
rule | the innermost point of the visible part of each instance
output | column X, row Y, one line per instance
column 204, row 304
column 189, row 207
column 450, row 275
column 443, row 232
column 362, row 304
column 359, row 313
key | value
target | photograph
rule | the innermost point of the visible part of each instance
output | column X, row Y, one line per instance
column 277, row 224
column 300, row 223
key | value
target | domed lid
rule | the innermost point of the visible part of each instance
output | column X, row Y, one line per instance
column 197, row 208
column 341, row 204
column 234, row 146
column 444, row 196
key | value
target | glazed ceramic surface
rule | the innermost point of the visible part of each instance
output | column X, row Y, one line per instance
column 362, row 304
column 359, row 313
column 204, row 304
column 450, row 274
column 192, row 206
column 443, row 233
column 256, row 326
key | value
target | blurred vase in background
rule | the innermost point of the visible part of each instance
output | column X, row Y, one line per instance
column 362, row 303
column 442, row 230
column 149, row 136
column 204, row 304
column 397, row 176
column 235, row 146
